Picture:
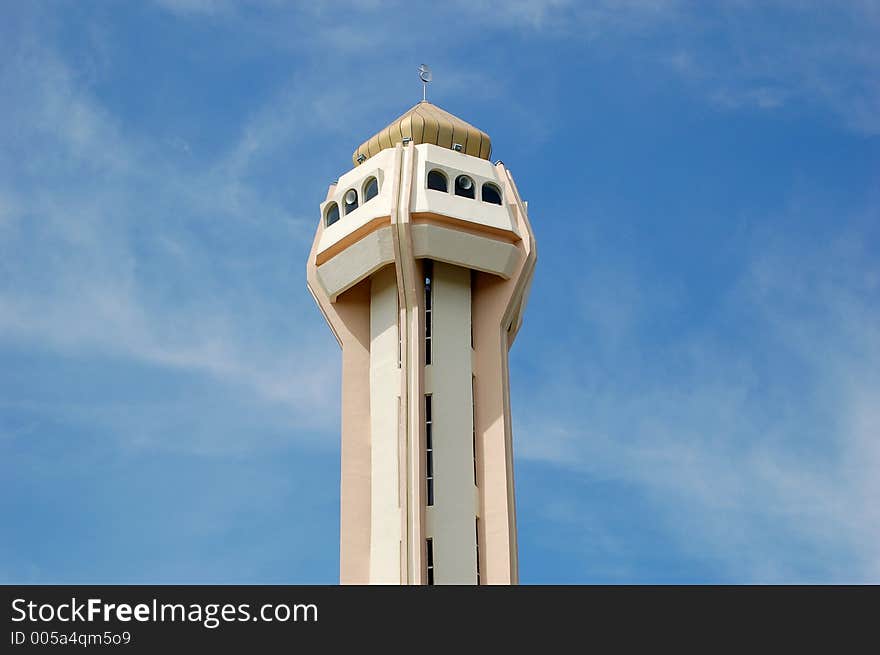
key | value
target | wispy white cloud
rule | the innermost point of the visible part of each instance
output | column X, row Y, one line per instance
column 108, row 245
column 772, row 431
column 115, row 245
column 190, row 7
column 737, row 55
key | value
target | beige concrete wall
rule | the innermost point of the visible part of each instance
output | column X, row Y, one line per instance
column 349, row 318
column 453, row 164
column 494, row 439
column 360, row 260
column 451, row 518
column 497, row 308
column 462, row 249
column 382, row 168
column 384, row 387
column 352, row 310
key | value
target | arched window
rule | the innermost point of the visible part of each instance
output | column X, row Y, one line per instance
column 491, row 193
column 371, row 189
column 351, row 200
column 437, row 181
column 464, row 186
column 331, row 214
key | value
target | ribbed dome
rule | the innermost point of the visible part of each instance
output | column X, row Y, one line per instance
column 427, row 123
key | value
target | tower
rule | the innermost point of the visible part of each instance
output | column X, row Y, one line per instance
column 421, row 265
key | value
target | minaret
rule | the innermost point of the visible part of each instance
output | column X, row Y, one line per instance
column 421, row 265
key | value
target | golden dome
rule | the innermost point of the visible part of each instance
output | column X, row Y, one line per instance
column 427, row 123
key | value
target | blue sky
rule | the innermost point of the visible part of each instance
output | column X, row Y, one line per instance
column 696, row 388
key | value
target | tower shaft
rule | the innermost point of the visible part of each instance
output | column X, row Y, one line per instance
column 425, row 293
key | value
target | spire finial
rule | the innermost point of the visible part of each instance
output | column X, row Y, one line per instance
column 425, row 77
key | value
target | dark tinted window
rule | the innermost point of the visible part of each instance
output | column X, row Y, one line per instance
column 351, row 200
column 437, row 181
column 464, row 186
column 429, row 301
column 491, row 194
column 429, row 451
column 331, row 214
column 371, row 189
